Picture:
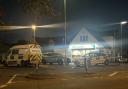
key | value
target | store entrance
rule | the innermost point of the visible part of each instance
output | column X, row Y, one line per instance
column 78, row 55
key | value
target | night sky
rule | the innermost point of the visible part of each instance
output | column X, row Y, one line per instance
column 92, row 14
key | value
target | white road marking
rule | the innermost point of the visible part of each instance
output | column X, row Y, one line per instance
column 2, row 86
column 9, row 81
column 72, row 78
column 64, row 79
column 113, row 74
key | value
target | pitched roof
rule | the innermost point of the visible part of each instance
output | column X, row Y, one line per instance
column 92, row 32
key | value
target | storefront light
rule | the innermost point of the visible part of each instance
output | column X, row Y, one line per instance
column 82, row 46
column 76, row 52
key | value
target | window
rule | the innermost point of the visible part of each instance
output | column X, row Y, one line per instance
column 83, row 38
column 15, row 51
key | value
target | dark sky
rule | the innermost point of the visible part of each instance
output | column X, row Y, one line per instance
column 90, row 13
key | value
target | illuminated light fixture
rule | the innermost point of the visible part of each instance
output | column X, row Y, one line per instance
column 76, row 53
column 123, row 22
column 34, row 27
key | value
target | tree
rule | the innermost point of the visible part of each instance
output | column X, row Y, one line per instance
column 3, row 46
column 37, row 8
column 2, row 13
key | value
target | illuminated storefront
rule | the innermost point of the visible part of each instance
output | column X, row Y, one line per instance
column 83, row 43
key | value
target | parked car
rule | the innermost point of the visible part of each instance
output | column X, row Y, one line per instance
column 99, row 58
column 52, row 57
column 123, row 60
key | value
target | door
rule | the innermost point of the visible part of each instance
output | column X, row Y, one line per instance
column 15, row 55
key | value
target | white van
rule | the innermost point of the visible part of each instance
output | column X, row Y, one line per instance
column 23, row 55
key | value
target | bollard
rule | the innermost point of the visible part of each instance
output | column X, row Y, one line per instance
column 37, row 66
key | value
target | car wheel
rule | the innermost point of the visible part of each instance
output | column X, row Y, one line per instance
column 18, row 65
column 60, row 62
column 50, row 63
column 106, row 62
column 22, row 63
column 5, row 63
column 43, row 61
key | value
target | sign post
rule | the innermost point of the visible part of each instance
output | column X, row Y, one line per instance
column 85, row 65
column 37, row 65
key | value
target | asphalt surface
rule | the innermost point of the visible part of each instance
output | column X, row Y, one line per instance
column 114, row 76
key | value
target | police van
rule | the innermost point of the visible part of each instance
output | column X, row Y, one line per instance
column 99, row 58
column 23, row 55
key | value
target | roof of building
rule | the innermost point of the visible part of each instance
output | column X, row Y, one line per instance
column 95, row 33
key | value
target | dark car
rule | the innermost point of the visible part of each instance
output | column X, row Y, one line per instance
column 52, row 58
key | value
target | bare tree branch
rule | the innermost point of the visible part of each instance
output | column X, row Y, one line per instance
column 38, row 8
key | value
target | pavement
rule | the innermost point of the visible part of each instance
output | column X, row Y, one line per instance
column 114, row 76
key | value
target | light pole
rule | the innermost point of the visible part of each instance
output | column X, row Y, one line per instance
column 121, row 27
column 34, row 41
column 65, row 28
column 65, row 21
column 34, row 29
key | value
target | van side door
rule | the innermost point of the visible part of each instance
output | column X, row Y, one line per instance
column 15, row 54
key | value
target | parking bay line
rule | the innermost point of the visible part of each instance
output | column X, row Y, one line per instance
column 9, row 81
column 113, row 74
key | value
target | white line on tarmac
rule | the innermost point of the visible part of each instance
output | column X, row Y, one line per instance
column 2, row 86
column 64, row 79
column 113, row 74
column 9, row 81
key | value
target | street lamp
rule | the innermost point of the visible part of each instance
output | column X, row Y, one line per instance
column 121, row 26
column 34, row 29
column 65, row 20
column 65, row 28
column 124, row 22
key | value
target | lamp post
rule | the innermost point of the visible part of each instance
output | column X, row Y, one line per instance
column 65, row 23
column 34, row 29
column 34, row 41
column 121, row 27
column 65, row 28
